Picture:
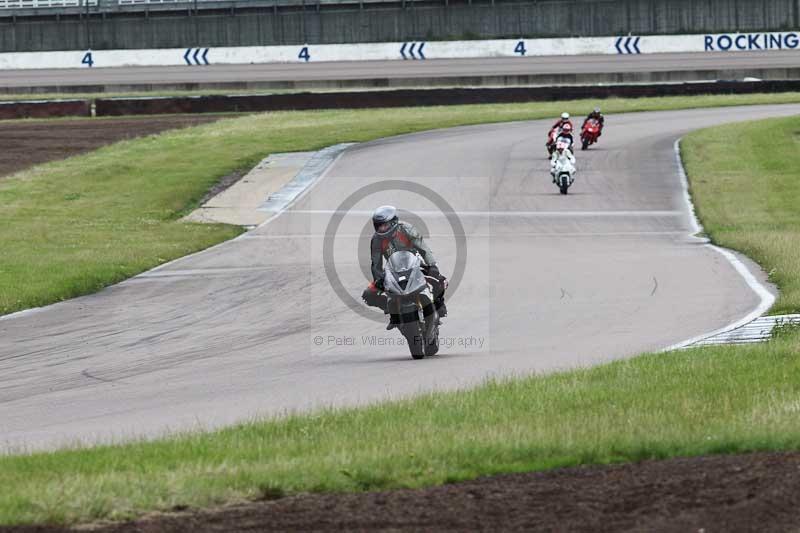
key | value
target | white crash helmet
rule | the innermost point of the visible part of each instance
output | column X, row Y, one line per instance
column 565, row 116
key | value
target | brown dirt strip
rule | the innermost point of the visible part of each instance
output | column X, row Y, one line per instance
column 753, row 492
column 28, row 143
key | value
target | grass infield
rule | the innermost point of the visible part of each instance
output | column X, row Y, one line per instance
column 701, row 401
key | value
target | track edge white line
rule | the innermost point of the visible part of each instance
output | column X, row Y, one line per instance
column 767, row 299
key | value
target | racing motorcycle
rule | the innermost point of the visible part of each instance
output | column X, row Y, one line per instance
column 563, row 170
column 411, row 298
column 552, row 138
column 556, row 134
column 590, row 133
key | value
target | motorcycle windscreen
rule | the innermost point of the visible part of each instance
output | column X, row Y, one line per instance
column 402, row 261
column 405, row 269
column 563, row 164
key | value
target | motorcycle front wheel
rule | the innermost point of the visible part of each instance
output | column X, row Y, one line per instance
column 416, row 342
column 432, row 344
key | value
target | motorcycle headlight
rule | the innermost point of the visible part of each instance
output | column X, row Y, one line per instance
column 402, row 279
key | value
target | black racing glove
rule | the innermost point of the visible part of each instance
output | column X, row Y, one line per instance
column 379, row 284
column 433, row 271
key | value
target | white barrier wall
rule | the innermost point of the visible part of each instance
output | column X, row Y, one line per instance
column 404, row 51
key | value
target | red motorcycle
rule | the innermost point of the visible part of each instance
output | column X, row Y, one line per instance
column 555, row 133
column 590, row 133
column 552, row 138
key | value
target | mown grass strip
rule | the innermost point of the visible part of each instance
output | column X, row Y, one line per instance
column 72, row 227
column 746, row 187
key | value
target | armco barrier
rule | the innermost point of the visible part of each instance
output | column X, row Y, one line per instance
column 420, row 97
column 201, row 56
column 374, row 99
column 44, row 109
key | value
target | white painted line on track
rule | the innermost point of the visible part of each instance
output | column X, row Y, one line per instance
column 486, row 235
column 765, row 296
column 503, row 214
column 687, row 197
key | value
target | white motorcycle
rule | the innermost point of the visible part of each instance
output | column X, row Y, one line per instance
column 563, row 168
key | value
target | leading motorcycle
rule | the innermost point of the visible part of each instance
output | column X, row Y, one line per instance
column 410, row 297
column 563, row 170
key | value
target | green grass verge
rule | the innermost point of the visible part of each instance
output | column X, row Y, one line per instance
column 746, row 187
column 71, row 227
column 708, row 400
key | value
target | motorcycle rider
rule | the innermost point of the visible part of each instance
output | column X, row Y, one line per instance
column 566, row 134
column 597, row 115
column 561, row 151
column 563, row 121
column 557, row 128
column 392, row 235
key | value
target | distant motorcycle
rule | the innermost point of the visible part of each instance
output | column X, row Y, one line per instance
column 590, row 133
column 557, row 134
column 564, row 170
column 410, row 296
column 552, row 138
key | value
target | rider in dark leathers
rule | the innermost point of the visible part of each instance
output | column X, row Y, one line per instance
column 392, row 235
column 596, row 114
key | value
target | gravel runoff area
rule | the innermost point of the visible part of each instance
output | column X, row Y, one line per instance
column 754, row 492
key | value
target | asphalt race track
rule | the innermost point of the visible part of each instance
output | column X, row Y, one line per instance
column 253, row 326
column 364, row 70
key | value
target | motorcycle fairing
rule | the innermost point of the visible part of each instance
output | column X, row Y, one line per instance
column 403, row 274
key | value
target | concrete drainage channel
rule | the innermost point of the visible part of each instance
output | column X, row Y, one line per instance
column 268, row 189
